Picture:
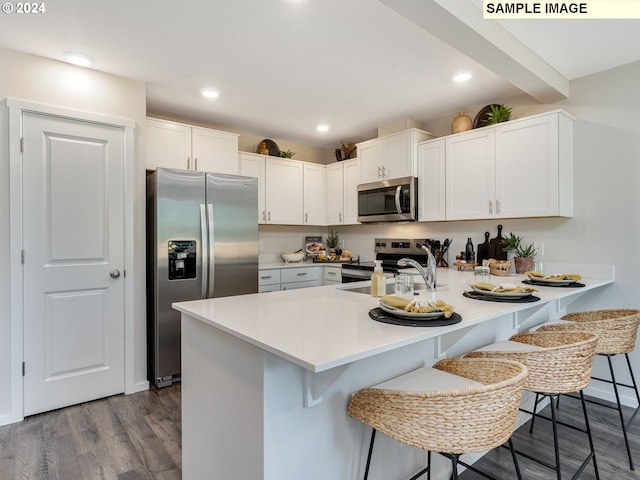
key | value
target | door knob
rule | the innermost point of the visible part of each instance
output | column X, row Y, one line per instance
column 114, row 273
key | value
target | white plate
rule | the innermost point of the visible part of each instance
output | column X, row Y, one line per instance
column 501, row 294
column 550, row 281
column 399, row 312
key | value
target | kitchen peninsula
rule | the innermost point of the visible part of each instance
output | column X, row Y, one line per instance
column 266, row 378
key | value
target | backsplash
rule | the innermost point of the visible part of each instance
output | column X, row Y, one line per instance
column 360, row 238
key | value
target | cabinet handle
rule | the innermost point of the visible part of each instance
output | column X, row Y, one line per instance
column 264, row 216
column 384, row 172
column 195, row 163
column 340, row 217
column 266, row 277
column 331, row 273
column 490, row 207
column 498, row 207
column 188, row 163
column 269, row 216
column 306, row 218
column 379, row 171
column 301, row 274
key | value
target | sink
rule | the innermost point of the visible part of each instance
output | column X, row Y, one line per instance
column 417, row 288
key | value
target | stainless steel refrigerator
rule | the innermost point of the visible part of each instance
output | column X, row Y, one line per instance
column 202, row 242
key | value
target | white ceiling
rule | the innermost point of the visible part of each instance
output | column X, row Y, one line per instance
column 284, row 66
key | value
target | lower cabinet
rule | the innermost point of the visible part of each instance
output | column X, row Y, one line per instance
column 269, row 280
column 332, row 275
column 301, row 277
column 289, row 278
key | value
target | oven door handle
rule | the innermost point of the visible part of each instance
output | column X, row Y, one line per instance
column 398, row 192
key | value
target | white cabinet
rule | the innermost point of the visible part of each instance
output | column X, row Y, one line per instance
column 300, row 277
column 269, row 280
column 518, row 169
column 214, row 151
column 251, row 165
column 351, row 180
column 275, row 279
column 283, row 191
column 431, row 180
column 314, row 193
column 332, row 275
column 470, row 166
column 342, row 196
column 167, row 144
column 176, row 145
column 391, row 156
column 534, row 167
column 280, row 187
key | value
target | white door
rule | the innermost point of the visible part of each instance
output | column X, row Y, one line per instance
column 73, row 242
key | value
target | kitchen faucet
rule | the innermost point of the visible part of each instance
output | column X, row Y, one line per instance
column 430, row 274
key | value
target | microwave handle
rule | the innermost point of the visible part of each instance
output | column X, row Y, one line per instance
column 398, row 192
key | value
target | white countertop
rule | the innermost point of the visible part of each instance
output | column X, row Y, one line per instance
column 324, row 327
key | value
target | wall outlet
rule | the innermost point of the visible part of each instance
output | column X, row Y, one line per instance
column 260, row 245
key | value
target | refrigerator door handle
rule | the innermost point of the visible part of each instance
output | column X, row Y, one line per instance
column 204, row 249
column 212, row 262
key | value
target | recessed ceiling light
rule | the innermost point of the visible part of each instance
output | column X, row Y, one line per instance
column 462, row 77
column 209, row 93
column 322, row 128
column 79, row 59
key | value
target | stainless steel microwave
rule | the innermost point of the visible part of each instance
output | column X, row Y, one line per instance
column 393, row 200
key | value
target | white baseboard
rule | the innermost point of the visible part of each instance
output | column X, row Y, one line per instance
column 140, row 387
column 9, row 418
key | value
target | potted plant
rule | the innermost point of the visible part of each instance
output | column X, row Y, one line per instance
column 333, row 242
column 522, row 254
column 498, row 114
column 287, row 153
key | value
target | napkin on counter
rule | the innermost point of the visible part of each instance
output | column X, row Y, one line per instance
column 425, row 306
column 418, row 305
column 557, row 276
column 502, row 288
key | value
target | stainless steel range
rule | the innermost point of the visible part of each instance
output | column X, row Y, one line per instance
column 389, row 251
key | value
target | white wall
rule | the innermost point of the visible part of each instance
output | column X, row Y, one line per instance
column 43, row 81
column 605, row 228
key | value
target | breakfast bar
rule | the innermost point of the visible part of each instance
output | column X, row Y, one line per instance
column 266, row 378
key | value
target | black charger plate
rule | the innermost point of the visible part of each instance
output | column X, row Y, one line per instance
column 380, row 315
column 487, row 298
column 564, row 285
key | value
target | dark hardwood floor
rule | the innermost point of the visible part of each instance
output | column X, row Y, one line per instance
column 609, row 445
column 131, row 437
column 124, row 437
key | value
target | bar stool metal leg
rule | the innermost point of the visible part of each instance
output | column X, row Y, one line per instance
column 620, row 414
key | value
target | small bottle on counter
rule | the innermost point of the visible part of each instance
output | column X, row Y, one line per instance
column 378, row 282
column 469, row 253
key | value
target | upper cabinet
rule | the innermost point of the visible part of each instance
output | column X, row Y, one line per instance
column 342, row 195
column 280, row 187
column 521, row 168
column 176, row 145
column 214, row 151
column 391, row 156
column 314, row 193
column 431, row 181
column 470, row 173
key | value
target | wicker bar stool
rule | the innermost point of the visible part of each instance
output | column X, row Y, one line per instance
column 617, row 331
column 558, row 363
column 458, row 406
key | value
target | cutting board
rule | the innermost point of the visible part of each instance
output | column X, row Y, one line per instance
column 496, row 244
column 485, row 250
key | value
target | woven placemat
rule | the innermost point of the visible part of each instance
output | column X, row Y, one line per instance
column 487, row 298
column 565, row 285
column 380, row 315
